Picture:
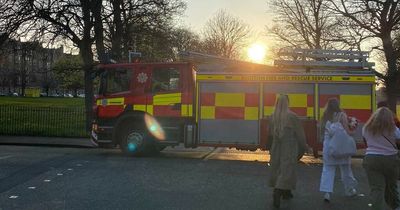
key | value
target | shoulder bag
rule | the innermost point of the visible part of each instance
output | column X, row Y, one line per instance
column 341, row 144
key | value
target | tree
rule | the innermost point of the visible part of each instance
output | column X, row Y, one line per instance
column 185, row 40
column 69, row 73
column 143, row 25
column 309, row 24
column 85, row 23
column 381, row 18
column 225, row 35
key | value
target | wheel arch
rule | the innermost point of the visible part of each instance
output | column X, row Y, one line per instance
column 136, row 117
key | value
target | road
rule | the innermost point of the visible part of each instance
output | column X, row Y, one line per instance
column 39, row 177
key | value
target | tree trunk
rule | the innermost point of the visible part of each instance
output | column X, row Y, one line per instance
column 98, row 30
column 116, row 41
column 85, row 48
column 391, row 75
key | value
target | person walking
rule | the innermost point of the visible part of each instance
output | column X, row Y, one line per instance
column 333, row 114
column 381, row 161
column 288, row 145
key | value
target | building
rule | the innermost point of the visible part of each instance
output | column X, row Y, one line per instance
column 27, row 64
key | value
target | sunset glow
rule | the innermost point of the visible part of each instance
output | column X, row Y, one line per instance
column 256, row 53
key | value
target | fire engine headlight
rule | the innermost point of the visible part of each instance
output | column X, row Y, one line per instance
column 154, row 127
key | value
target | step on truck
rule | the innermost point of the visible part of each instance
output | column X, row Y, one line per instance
column 216, row 102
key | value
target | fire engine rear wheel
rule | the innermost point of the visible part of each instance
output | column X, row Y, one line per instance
column 135, row 141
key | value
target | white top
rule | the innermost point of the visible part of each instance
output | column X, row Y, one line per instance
column 378, row 145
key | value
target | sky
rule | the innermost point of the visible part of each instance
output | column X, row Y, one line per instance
column 252, row 12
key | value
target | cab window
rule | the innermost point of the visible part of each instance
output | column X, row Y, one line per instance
column 118, row 80
column 165, row 79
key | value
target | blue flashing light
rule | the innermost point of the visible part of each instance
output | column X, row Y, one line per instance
column 131, row 147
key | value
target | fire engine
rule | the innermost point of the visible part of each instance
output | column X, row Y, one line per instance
column 217, row 102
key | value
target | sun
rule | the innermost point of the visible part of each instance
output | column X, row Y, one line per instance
column 256, row 53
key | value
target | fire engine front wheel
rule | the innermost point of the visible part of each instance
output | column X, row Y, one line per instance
column 134, row 141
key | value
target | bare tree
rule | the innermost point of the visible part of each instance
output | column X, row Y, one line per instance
column 309, row 24
column 381, row 18
column 67, row 19
column 84, row 23
column 144, row 25
column 225, row 35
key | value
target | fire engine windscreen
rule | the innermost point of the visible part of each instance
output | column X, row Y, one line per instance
column 154, row 127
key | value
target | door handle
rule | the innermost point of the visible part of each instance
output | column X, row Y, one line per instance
column 175, row 106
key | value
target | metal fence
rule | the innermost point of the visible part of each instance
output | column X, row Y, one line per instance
column 24, row 120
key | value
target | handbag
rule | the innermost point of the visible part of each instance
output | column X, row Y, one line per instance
column 341, row 145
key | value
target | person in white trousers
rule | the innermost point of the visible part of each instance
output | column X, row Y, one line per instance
column 331, row 114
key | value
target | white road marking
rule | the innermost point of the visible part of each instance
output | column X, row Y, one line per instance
column 78, row 164
column 31, row 188
column 59, row 174
column 13, row 196
column 70, row 169
column 47, row 180
column 5, row 157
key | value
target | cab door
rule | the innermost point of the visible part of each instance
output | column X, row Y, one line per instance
column 166, row 99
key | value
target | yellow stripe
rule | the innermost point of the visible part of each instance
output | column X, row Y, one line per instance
column 355, row 101
column 207, row 112
column 186, row 110
column 167, row 99
column 115, row 101
column 218, row 77
column 230, row 99
column 316, row 101
column 197, row 102
column 321, row 111
column 310, row 111
column 149, row 109
column 298, row 100
column 374, row 105
column 268, row 110
column 251, row 113
column 289, row 78
column 139, row 107
column 98, row 102
column 398, row 111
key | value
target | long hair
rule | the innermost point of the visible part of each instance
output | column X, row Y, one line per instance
column 380, row 122
column 331, row 108
column 280, row 115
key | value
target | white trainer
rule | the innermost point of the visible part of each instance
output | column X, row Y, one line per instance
column 351, row 192
column 327, row 197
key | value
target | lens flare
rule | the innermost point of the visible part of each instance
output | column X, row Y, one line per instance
column 154, row 127
column 131, row 147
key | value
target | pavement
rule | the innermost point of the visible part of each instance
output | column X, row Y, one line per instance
column 206, row 153
column 50, row 141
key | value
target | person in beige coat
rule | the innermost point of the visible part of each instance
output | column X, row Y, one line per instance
column 288, row 145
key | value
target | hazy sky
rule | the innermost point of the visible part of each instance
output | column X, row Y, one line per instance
column 252, row 12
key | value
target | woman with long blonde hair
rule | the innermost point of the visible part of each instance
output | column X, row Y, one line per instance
column 381, row 161
column 288, row 144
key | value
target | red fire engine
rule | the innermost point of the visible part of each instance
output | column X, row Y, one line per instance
column 211, row 101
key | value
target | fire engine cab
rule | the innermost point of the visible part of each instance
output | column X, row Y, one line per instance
column 212, row 101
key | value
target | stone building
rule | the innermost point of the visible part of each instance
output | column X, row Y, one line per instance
column 27, row 64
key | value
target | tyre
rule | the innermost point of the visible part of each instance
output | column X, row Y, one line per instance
column 135, row 140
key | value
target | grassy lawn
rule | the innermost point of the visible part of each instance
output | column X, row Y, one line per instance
column 43, row 101
column 62, row 117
